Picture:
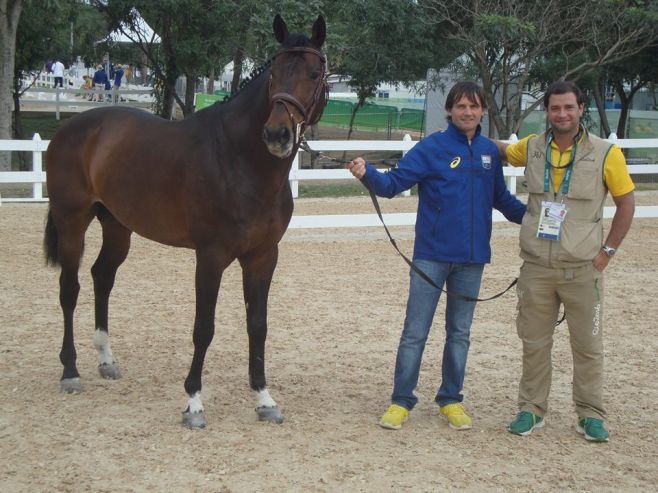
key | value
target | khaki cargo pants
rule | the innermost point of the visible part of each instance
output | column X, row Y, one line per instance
column 540, row 292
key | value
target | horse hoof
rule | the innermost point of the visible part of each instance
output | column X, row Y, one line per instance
column 194, row 420
column 270, row 414
column 109, row 371
column 70, row 385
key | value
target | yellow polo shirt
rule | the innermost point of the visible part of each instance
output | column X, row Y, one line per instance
column 615, row 172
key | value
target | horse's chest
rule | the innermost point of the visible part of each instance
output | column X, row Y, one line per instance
column 258, row 226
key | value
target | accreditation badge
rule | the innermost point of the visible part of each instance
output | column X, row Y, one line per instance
column 550, row 220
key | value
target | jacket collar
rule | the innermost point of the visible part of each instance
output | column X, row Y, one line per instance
column 457, row 134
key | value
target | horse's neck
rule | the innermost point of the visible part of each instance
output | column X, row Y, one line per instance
column 243, row 119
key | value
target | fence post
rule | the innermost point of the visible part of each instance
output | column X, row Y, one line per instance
column 406, row 138
column 57, row 103
column 294, row 182
column 511, row 182
column 37, row 167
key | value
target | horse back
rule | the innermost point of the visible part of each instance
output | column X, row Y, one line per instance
column 179, row 183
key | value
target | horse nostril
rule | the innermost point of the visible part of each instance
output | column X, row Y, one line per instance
column 285, row 135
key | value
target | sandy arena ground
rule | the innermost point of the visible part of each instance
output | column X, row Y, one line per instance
column 336, row 309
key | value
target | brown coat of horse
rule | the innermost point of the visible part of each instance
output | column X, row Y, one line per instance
column 216, row 182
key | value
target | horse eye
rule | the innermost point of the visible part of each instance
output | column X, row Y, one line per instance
column 315, row 75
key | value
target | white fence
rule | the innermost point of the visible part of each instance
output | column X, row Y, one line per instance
column 37, row 177
column 65, row 99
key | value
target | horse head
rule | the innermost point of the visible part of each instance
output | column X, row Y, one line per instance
column 298, row 86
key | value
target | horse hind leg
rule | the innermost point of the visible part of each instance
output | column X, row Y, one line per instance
column 64, row 243
column 116, row 244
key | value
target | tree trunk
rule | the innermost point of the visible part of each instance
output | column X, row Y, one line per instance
column 8, row 24
column 357, row 107
column 168, row 98
column 23, row 161
column 600, row 107
column 190, row 89
column 211, row 82
column 237, row 69
column 626, row 100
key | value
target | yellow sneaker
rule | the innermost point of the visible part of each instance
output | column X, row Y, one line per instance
column 394, row 417
column 457, row 417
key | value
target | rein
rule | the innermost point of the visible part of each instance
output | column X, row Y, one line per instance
column 311, row 114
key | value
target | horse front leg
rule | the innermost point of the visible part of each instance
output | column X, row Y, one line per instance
column 257, row 272
column 209, row 268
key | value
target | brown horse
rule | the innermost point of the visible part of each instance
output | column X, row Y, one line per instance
column 216, row 182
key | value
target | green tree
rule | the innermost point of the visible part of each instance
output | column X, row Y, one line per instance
column 45, row 31
column 380, row 41
column 626, row 79
column 506, row 42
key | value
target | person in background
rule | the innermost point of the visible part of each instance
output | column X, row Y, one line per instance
column 58, row 73
column 460, row 180
column 100, row 81
column 118, row 75
column 129, row 72
column 564, row 250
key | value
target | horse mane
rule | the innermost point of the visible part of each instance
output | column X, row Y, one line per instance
column 293, row 40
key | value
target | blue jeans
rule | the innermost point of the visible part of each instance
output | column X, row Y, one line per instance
column 423, row 297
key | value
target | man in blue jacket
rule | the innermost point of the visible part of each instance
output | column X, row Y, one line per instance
column 460, row 180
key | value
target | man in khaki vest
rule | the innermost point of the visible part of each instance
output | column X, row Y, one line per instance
column 568, row 174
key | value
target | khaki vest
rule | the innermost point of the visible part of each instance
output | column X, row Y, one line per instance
column 581, row 236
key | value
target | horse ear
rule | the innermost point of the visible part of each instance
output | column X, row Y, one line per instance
column 280, row 29
column 319, row 31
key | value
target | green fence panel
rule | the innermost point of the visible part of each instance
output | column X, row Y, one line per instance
column 204, row 100
column 377, row 117
column 337, row 113
column 411, row 119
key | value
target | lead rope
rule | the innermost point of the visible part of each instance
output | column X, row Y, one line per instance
column 304, row 145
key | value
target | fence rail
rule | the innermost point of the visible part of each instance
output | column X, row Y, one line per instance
column 115, row 96
column 37, row 177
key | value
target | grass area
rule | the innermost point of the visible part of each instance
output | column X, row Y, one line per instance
column 43, row 123
column 329, row 188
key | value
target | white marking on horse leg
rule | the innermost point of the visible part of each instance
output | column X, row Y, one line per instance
column 102, row 344
column 264, row 399
column 194, row 404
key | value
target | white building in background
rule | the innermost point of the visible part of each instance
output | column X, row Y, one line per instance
column 389, row 94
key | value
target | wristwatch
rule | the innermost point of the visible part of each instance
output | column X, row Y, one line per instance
column 609, row 251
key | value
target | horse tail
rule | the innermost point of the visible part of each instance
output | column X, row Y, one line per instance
column 50, row 241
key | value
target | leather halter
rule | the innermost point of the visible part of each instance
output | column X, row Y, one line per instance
column 286, row 99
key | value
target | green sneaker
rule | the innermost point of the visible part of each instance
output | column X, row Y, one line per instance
column 524, row 423
column 593, row 429
column 394, row 417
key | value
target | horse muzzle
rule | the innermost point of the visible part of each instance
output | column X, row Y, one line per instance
column 279, row 140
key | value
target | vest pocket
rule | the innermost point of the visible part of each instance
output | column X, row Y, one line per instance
column 528, row 240
column 580, row 240
column 584, row 182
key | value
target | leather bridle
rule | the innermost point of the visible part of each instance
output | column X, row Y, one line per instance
column 312, row 112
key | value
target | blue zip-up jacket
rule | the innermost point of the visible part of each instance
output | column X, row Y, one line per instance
column 459, row 183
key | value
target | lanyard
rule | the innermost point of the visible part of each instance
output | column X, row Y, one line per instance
column 548, row 186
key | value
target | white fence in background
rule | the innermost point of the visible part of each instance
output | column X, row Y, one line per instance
column 65, row 99
column 37, row 177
